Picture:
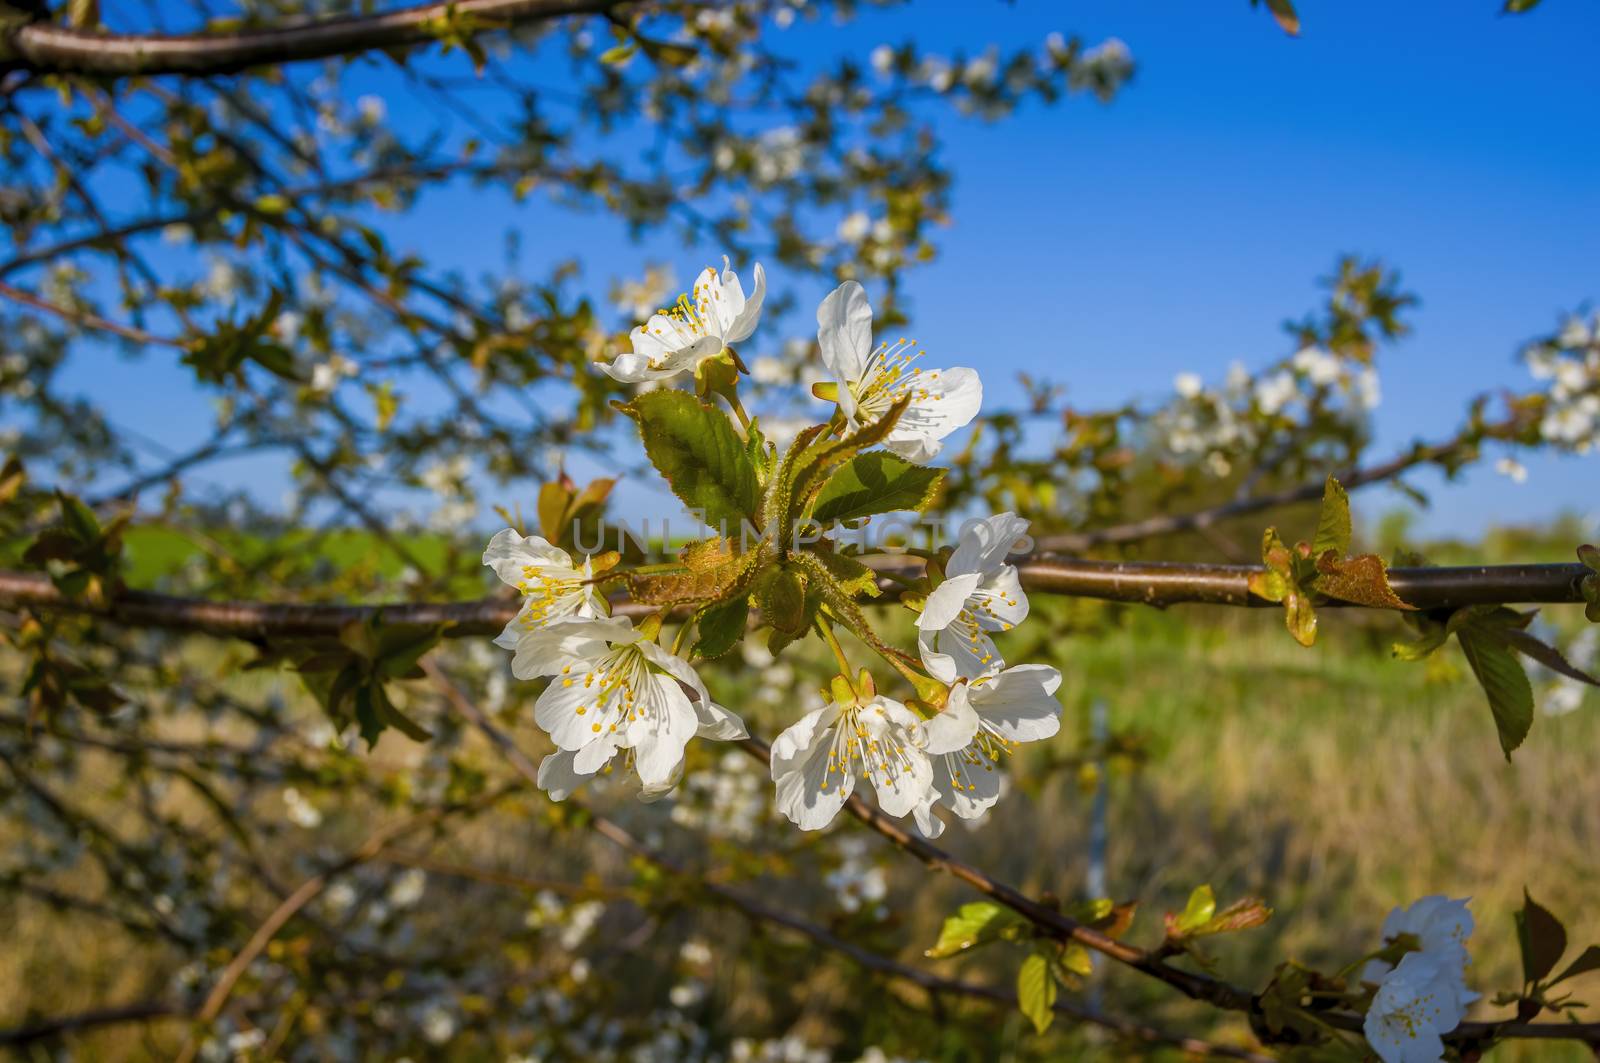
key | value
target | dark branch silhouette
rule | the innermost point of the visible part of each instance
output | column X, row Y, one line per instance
column 45, row 48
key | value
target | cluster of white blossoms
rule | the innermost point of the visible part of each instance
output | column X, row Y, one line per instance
column 617, row 698
column 1425, row 995
column 1571, row 363
column 1215, row 424
column 953, row 759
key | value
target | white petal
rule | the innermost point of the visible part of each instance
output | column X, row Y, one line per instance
column 1001, row 603
column 946, row 602
column 557, row 777
column 915, row 447
column 719, row 723
column 634, row 369
column 955, row 727
column 556, row 712
column 744, row 321
column 508, row 553
column 929, row 824
column 844, row 333
column 596, row 755
column 661, row 733
column 984, row 544
column 898, row 730
column 674, row 666
column 948, row 400
column 806, row 794
column 971, row 789
column 1020, row 702
column 949, row 655
column 566, row 643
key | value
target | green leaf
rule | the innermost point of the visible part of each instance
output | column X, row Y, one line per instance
column 781, row 597
column 1588, row 960
column 1076, row 959
column 1333, row 523
column 1201, row 907
column 78, row 519
column 974, row 924
column 1036, row 991
column 1519, row 7
column 879, row 482
column 1545, row 654
column 1432, row 637
column 1504, row 682
column 1542, row 937
column 720, row 626
column 851, row 575
column 818, row 458
column 699, row 454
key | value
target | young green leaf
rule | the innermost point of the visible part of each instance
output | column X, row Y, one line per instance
column 877, row 482
column 851, row 575
column 1201, row 907
column 1588, row 960
column 1036, row 991
column 1333, row 522
column 719, row 626
column 1504, row 683
column 974, row 924
column 699, row 454
column 1542, row 937
column 781, row 597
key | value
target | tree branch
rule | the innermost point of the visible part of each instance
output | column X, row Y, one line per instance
column 50, row 49
column 46, row 1029
column 1156, row 583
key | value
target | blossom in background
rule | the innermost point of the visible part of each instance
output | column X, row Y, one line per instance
column 301, row 813
column 1512, row 469
column 715, row 315
column 995, row 713
column 980, row 594
column 1318, row 365
column 1441, row 927
column 1415, row 1004
column 553, row 588
column 408, row 887
column 1275, row 392
column 818, row 760
column 871, row 379
column 612, row 688
column 1188, row 385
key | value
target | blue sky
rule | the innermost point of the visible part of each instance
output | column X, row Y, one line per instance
column 1111, row 247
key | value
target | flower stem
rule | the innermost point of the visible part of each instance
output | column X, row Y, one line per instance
column 738, row 411
column 825, row 629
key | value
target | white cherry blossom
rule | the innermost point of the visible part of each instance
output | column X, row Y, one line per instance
column 818, row 760
column 980, row 594
column 1441, row 927
column 872, row 379
column 716, row 314
column 1415, row 1003
column 552, row 587
column 990, row 717
column 614, row 689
